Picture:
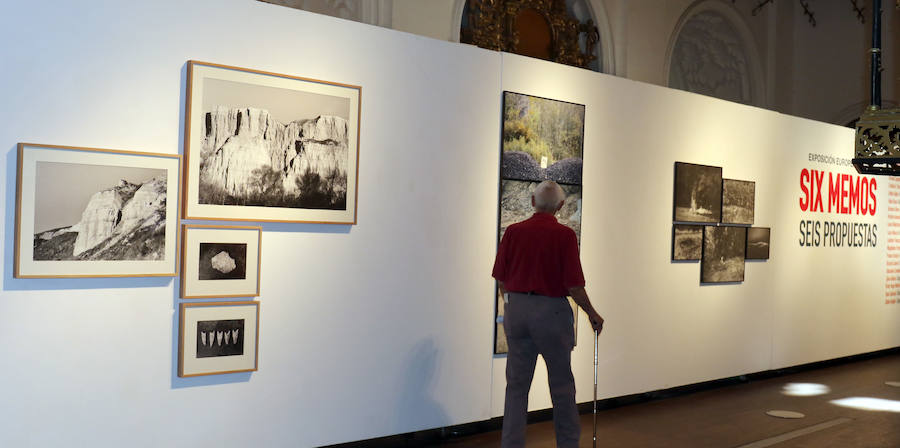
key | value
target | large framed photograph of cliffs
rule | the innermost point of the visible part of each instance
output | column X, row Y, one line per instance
column 218, row 337
column 543, row 139
column 220, row 261
column 85, row 212
column 263, row 146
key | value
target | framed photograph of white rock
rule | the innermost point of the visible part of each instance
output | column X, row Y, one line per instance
column 687, row 242
column 758, row 243
column 723, row 254
column 542, row 139
column 262, row 146
column 698, row 193
column 220, row 261
column 738, row 199
column 218, row 337
column 86, row 212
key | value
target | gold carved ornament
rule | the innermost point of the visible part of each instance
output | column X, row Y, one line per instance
column 500, row 24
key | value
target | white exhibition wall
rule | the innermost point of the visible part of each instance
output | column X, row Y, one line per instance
column 386, row 327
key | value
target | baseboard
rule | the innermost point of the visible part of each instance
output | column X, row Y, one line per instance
column 429, row 437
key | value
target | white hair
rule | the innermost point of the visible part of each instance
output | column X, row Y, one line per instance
column 547, row 196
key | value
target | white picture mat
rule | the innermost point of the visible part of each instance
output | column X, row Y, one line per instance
column 191, row 365
column 193, row 287
column 193, row 207
column 31, row 155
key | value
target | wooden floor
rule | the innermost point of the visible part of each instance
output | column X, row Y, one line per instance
column 734, row 416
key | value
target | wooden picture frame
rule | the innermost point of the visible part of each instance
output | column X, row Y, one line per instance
column 220, row 261
column 88, row 212
column 262, row 146
column 218, row 337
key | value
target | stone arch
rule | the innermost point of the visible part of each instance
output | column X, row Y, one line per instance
column 712, row 52
column 595, row 10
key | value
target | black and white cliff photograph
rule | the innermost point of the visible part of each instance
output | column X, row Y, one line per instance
column 95, row 212
column 738, row 199
column 542, row 139
column 222, row 261
column 220, row 338
column 758, row 243
column 273, row 143
column 723, row 254
column 83, row 211
column 698, row 193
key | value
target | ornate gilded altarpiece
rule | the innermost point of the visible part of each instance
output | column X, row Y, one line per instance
column 537, row 28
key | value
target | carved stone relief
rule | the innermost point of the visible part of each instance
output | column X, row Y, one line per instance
column 344, row 9
column 709, row 58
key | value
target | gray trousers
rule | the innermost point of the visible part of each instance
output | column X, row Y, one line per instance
column 539, row 325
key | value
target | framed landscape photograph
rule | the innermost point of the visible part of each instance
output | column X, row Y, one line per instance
column 218, row 337
column 687, row 242
column 220, row 261
column 723, row 254
column 758, row 243
column 738, row 199
column 263, row 146
column 86, row 212
column 542, row 139
column 698, row 193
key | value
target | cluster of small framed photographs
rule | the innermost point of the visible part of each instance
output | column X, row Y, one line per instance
column 713, row 219
column 259, row 146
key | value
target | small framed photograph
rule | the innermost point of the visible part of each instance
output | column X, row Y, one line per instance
column 86, row 212
column 218, row 337
column 738, row 201
column 220, row 261
column 687, row 242
column 758, row 243
column 723, row 254
column 698, row 193
column 263, row 146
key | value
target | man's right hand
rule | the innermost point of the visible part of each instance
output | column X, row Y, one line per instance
column 596, row 322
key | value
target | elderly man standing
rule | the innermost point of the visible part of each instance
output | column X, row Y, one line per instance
column 537, row 266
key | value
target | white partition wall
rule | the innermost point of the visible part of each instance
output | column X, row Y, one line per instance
column 386, row 327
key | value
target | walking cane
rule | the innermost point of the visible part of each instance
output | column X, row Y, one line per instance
column 596, row 364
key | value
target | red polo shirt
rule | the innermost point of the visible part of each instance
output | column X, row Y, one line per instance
column 539, row 255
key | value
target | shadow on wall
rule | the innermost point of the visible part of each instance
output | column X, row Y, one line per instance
column 416, row 402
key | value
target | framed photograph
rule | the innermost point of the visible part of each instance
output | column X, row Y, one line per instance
column 263, row 146
column 218, row 337
column 542, row 139
column 758, row 243
column 85, row 212
column 687, row 242
column 220, row 261
column 723, row 254
column 698, row 193
column 738, row 197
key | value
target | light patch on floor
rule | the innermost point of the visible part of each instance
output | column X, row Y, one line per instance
column 805, row 389
column 869, row 404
